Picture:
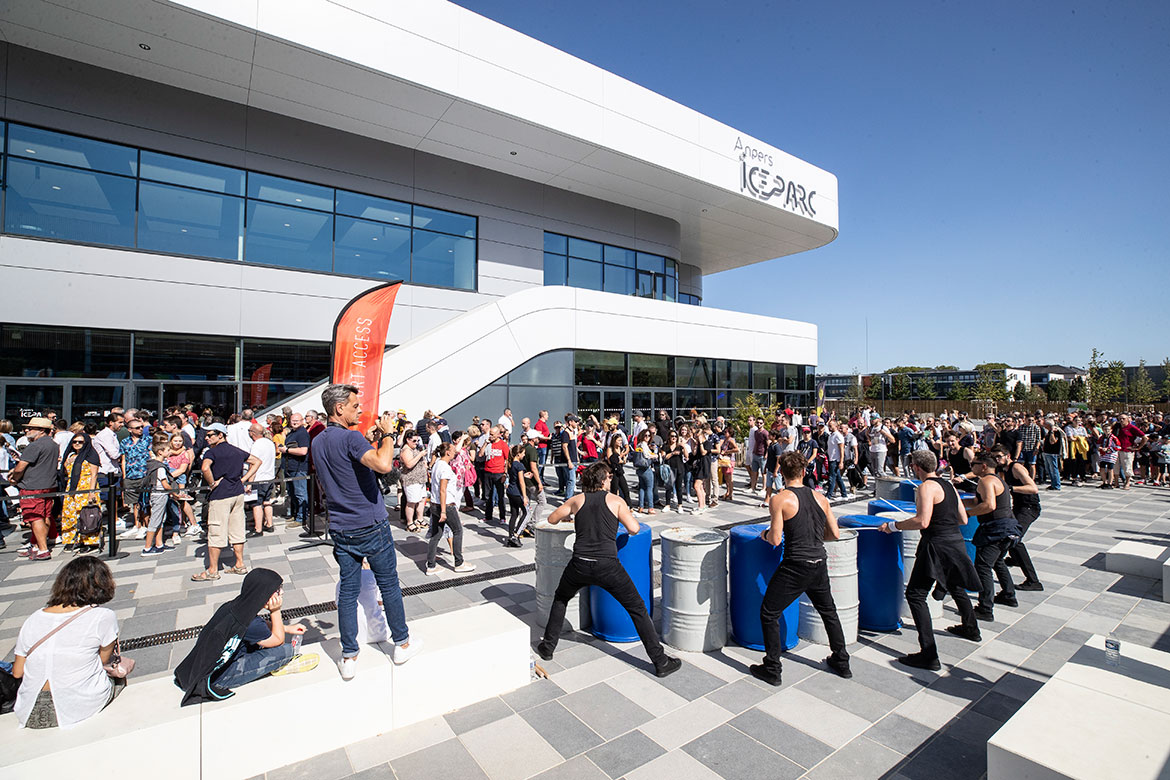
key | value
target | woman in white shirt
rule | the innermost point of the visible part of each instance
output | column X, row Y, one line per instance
column 445, row 510
column 61, row 650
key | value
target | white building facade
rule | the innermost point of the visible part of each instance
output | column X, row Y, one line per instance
column 193, row 191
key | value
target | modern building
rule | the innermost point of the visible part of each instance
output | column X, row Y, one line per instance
column 1042, row 375
column 943, row 382
column 194, row 189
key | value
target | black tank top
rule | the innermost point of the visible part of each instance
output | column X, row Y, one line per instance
column 1020, row 500
column 948, row 514
column 1003, row 506
column 959, row 462
column 597, row 528
column 804, row 532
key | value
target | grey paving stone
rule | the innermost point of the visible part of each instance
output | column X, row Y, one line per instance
column 738, row 696
column 605, row 710
column 997, row 706
column 733, row 755
column 624, row 754
column 849, row 695
column 561, row 728
column 945, row 756
column 579, row 768
column 327, row 766
column 972, row 727
column 533, row 694
column 862, row 757
column 902, row 734
column 888, row 680
column 689, row 682
column 479, row 714
column 450, row 756
column 791, row 742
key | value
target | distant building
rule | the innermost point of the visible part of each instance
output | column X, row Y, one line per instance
column 944, row 381
column 1042, row 375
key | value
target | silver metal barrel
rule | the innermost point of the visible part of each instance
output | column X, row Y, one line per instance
column 842, row 564
column 694, row 588
column 910, row 540
column 554, row 548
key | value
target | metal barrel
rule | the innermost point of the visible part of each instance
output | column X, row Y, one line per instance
column 554, row 548
column 694, row 588
column 841, row 561
column 610, row 620
column 751, row 564
column 907, row 489
column 881, row 582
column 887, row 487
column 910, row 540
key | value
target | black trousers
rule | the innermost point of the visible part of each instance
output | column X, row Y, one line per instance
column 618, row 485
column 1019, row 556
column 792, row 578
column 607, row 574
column 493, row 488
column 517, row 516
column 918, row 590
column 989, row 557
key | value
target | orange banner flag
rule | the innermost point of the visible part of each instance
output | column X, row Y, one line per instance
column 359, row 343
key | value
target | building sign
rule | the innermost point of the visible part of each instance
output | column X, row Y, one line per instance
column 759, row 179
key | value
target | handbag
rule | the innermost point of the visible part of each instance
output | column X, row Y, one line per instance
column 89, row 520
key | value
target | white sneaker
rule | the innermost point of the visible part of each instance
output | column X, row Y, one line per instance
column 193, row 530
column 140, row 533
column 432, row 569
column 463, row 568
column 130, row 533
column 403, row 653
column 347, row 667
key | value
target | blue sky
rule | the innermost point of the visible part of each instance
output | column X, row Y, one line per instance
column 1004, row 167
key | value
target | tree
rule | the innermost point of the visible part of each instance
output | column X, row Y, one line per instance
column 906, row 369
column 853, row 392
column 958, row 392
column 1020, row 392
column 1036, row 395
column 946, row 368
column 1100, row 392
column 750, row 406
column 990, row 385
column 1077, row 389
column 1115, row 379
column 900, row 387
column 1166, row 381
column 924, row 388
column 1142, row 390
column 991, row 366
column 1058, row 390
column 874, row 391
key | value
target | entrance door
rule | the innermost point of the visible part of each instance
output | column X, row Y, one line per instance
column 664, row 402
column 221, row 398
column 24, row 401
column 613, row 404
column 93, row 401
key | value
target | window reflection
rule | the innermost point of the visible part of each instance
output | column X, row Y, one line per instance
column 189, row 222
column 443, row 261
column 371, row 249
column 288, row 237
column 49, row 201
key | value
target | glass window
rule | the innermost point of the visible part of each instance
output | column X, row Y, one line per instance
column 22, row 402
column 285, row 361
column 290, row 192
column 645, row 287
column 587, row 250
column 67, row 204
column 260, row 395
column 672, row 269
column 671, row 291
column 764, row 376
column 443, row 261
column 701, row 400
column 444, row 221
column 369, row 207
column 191, row 173
column 34, row 351
column 599, row 368
column 733, row 374
column 221, row 398
column 651, row 371
column 551, row 368
column 371, row 249
column 790, row 379
column 694, row 372
column 616, row 256
column 47, row 146
column 91, row 402
column 555, row 268
column 584, row 274
column 652, row 263
column 289, row 237
column 588, row 402
column 189, row 222
column 556, row 244
column 173, row 356
column 619, row 280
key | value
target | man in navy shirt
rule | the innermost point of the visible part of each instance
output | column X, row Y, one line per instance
column 346, row 465
column 296, row 464
column 223, row 470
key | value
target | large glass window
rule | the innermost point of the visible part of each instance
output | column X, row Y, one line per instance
column 651, row 371
column 555, row 269
column 595, row 266
column 69, row 188
column 285, row 361
column 599, row 368
column 694, row 372
column 34, row 351
column 764, row 376
column 169, row 356
column 584, row 274
column 733, row 374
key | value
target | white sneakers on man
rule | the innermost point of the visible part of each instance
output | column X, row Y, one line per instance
column 403, row 653
column 347, row 667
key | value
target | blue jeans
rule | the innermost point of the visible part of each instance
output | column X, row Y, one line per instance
column 835, row 479
column 566, row 481
column 1052, row 466
column 374, row 544
column 541, row 459
column 298, row 494
column 246, row 667
column 646, row 489
column 670, row 488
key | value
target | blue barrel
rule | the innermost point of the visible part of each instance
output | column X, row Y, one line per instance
column 610, row 620
column 752, row 562
column 968, row 532
column 884, row 505
column 906, row 489
column 880, row 573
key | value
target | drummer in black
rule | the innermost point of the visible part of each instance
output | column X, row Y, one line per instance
column 1026, row 508
column 997, row 533
column 942, row 557
column 596, row 514
column 959, row 458
column 803, row 518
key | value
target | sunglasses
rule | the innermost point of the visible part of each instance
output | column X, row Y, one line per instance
column 135, row 427
column 78, row 443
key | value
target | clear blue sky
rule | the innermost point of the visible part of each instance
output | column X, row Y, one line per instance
column 1004, row 167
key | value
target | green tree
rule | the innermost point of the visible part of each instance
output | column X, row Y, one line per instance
column 1142, row 390
column 990, row 385
column 1020, row 392
column 1099, row 391
column 958, row 392
column 874, row 391
column 1077, row 389
column 853, row 391
column 991, row 366
column 1115, row 379
column 750, row 406
column 1058, row 390
column 1036, row 395
column 924, row 388
column 946, row 368
column 1166, row 381
column 906, row 369
column 900, row 387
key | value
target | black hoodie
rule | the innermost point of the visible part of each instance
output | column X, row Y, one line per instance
column 222, row 636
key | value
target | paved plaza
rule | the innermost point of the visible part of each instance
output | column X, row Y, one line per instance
column 602, row 713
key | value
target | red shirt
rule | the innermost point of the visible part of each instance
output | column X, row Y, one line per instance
column 1128, row 435
column 497, row 457
column 542, row 428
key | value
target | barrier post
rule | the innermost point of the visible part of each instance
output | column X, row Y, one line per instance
column 112, row 520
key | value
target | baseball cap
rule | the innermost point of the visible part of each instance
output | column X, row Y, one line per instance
column 217, row 427
column 805, row 428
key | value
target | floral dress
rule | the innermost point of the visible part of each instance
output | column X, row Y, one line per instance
column 71, row 508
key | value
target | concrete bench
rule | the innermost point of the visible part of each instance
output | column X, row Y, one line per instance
column 1138, row 558
column 1091, row 721
column 467, row 656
